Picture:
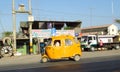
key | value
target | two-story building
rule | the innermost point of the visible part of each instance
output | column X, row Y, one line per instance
column 41, row 31
column 45, row 25
column 108, row 29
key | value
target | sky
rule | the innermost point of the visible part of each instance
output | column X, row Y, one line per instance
column 90, row 12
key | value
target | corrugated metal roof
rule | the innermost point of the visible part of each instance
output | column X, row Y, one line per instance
column 102, row 26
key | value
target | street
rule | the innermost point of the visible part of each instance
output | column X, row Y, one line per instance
column 101, row 64
column 102, row 61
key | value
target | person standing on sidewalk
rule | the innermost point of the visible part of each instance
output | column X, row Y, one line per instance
column 101, row 44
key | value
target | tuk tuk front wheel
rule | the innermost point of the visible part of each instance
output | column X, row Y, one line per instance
column 76, row 57
column 44, row 59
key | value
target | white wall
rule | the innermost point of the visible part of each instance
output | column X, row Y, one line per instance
column 112, row 30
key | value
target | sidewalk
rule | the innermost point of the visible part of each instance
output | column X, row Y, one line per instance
column 101, row 53
column 15, row 60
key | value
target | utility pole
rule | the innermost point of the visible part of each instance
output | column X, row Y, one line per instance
column 14, row 27
column 91, row 16
column 113, row 11
column 30, row 19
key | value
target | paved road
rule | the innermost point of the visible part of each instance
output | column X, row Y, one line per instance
column 33, row 61
column 97, row 64
column 36, row 58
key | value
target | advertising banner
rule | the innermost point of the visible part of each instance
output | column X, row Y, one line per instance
column 46, row 33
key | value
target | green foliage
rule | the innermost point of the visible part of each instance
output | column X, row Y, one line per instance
column 117, row 20
column 67, row 28
column 6, row 34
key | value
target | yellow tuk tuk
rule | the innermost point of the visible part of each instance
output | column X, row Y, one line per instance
column 63, row 46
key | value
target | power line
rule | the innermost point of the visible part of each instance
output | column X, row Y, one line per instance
column 1, row 24
column 68, row 13
column 5, row 14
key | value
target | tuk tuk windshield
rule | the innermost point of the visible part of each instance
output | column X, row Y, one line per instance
column 49, row 42
column 84, row 38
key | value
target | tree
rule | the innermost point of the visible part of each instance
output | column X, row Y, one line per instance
column 117, row 20
column 66, row 28
column 6, row 34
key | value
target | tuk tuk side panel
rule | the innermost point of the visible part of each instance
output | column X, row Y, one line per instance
column 76, row 50
column 72, row 49
column 54, row 52
column 62, row 51
column 68, row 48
column 49, row 51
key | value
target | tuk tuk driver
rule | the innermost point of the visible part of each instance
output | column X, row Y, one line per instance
column 57, row 43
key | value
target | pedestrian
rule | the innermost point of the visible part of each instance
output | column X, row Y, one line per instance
column 101, row 44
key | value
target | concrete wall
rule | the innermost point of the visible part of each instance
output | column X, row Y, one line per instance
column 112, row 30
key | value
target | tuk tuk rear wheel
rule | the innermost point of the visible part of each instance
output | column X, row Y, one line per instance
column 44, row 59
column 76, row 57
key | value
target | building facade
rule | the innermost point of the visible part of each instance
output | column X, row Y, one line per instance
column 109, row 29
column 46, row 25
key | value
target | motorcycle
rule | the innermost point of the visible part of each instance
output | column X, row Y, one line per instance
column 6, row 50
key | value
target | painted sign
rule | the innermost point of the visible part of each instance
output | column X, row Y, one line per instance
column 66, row 32
column 46, row 33
column 41, row 33
column 53, row 31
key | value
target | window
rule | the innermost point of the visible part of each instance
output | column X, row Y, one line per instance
column 84, row 39
column 112, row 30
column 57, row 43
column 109, row 40
column 89, row 38
column 49, row 42
column 68, row 42
column 94, row 38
